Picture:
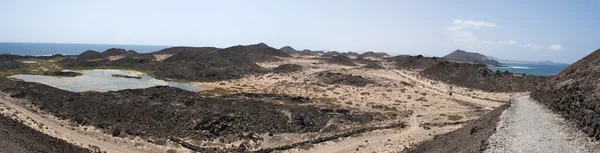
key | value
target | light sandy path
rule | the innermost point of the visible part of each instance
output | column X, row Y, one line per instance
column 422, row 84
column 528, row 126
column 68, row 134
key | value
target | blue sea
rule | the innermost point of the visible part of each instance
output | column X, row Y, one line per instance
column 532, row 69
column 67, row 49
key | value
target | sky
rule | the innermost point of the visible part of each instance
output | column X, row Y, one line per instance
column 533, row 30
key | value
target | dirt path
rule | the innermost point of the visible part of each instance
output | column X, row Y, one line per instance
column 528, row 126
column 380, row 140
column 76, row 136
column 359, row 144
column 425, row 85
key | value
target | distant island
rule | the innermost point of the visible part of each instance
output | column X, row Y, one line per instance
column 470, row 57
column 523, row 62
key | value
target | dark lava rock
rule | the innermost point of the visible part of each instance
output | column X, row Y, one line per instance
column 63, row 74
column 9, row 65
column 114, row 52
column 287, row 68
column 414, row 62
column 257, row 53
column 373, row 54
column 478, row 76
column 346, row 79
column 90, row 55
column 341, row 60
column 175, row 50
column 288, row 49
column 16, row 137
column 187, row 63
column 573, row 93
column 8, row 62
column 126, row 76
column 471, row 138
column 348, row 54
column 332, row 54
column 373, row 65
column 165, row 112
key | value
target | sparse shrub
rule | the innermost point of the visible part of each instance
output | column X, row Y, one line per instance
column 95, row 149
column 454, row 117
column 171, row 151
column 421, row 99
column 306, row 146
column 391, row 113
column 116, row 132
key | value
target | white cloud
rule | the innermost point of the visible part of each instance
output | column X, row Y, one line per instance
column 470, row 24
column 510, row 42
column 487, row 42
column 461, row 31
column 532, row 46
column 555, row 47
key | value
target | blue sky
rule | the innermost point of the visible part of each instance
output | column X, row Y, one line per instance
column 557, row 30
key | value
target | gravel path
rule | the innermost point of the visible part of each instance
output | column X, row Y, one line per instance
column 528, row 126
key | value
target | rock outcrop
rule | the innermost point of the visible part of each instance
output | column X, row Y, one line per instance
column 478, row 76
column 17, row 137
column 185, row 63
column 341, row 60
column 574, row 93
column 414, row 62
column 288, row 49
column 373, row 54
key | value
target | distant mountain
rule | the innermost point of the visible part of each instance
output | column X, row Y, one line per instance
column 373, row 54
column 470, row 57
column 288, row 49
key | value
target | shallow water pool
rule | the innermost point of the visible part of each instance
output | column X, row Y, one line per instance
column 103, row 80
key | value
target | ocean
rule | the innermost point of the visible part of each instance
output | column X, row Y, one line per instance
column 532, row 69
column 44, row 49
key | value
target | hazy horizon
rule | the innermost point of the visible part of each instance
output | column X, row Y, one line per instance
column 559, row 31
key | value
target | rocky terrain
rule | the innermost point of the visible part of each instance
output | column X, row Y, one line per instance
column 414, row 62
column 186, row 115
column 373, row 65
column 469, row 57
column 261, row 99
column 477, row 76
column 16, row 137
column 373, row 54
column 183, row 63
column 574, row 94
column 345, row 79
column 471, row 138
column 341, row 60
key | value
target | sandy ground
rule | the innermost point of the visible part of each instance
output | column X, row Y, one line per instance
column 528, row 126
column 162, row 57
column 84, row 136
column 425, row 105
